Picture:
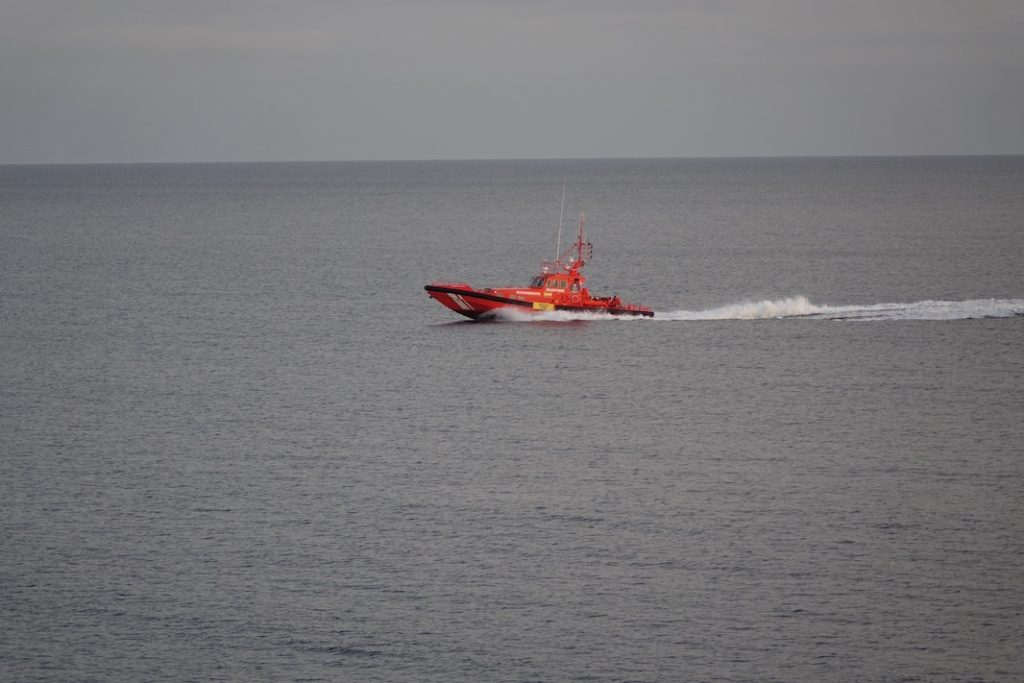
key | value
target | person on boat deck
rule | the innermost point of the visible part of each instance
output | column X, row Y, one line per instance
column 575, row 286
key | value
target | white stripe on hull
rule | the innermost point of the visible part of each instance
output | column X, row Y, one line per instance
column 460, row 302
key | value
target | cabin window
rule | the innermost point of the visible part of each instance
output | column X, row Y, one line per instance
column 537, row 281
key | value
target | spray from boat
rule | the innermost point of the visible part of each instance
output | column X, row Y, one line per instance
column 799, row 308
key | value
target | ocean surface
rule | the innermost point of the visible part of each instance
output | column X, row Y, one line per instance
column 238, row 442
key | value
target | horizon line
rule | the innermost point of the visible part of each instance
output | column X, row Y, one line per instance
column 508, row 159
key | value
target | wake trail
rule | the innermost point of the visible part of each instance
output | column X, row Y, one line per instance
column 801, row 307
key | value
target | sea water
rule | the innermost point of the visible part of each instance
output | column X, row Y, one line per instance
column 239, row 442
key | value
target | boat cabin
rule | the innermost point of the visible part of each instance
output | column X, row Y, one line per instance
column 559, row 282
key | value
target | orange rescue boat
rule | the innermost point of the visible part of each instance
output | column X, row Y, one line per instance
column 559, row 287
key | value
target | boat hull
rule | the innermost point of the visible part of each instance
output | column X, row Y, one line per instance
column 474, row 303
column 466, row 301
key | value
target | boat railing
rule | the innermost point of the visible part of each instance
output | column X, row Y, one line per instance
column 634, row 307
column 548, row 267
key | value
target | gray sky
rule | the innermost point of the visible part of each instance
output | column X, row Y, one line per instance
column 202, row 80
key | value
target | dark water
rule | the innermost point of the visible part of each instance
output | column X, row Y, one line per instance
column 240, row 443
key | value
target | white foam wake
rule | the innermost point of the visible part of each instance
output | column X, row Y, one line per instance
column 748, row 310
column 517, row 315
column 799, row 307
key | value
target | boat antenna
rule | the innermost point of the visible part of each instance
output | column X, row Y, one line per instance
column 561, row 215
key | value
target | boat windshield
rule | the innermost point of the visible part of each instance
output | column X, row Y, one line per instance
column 537, row 281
